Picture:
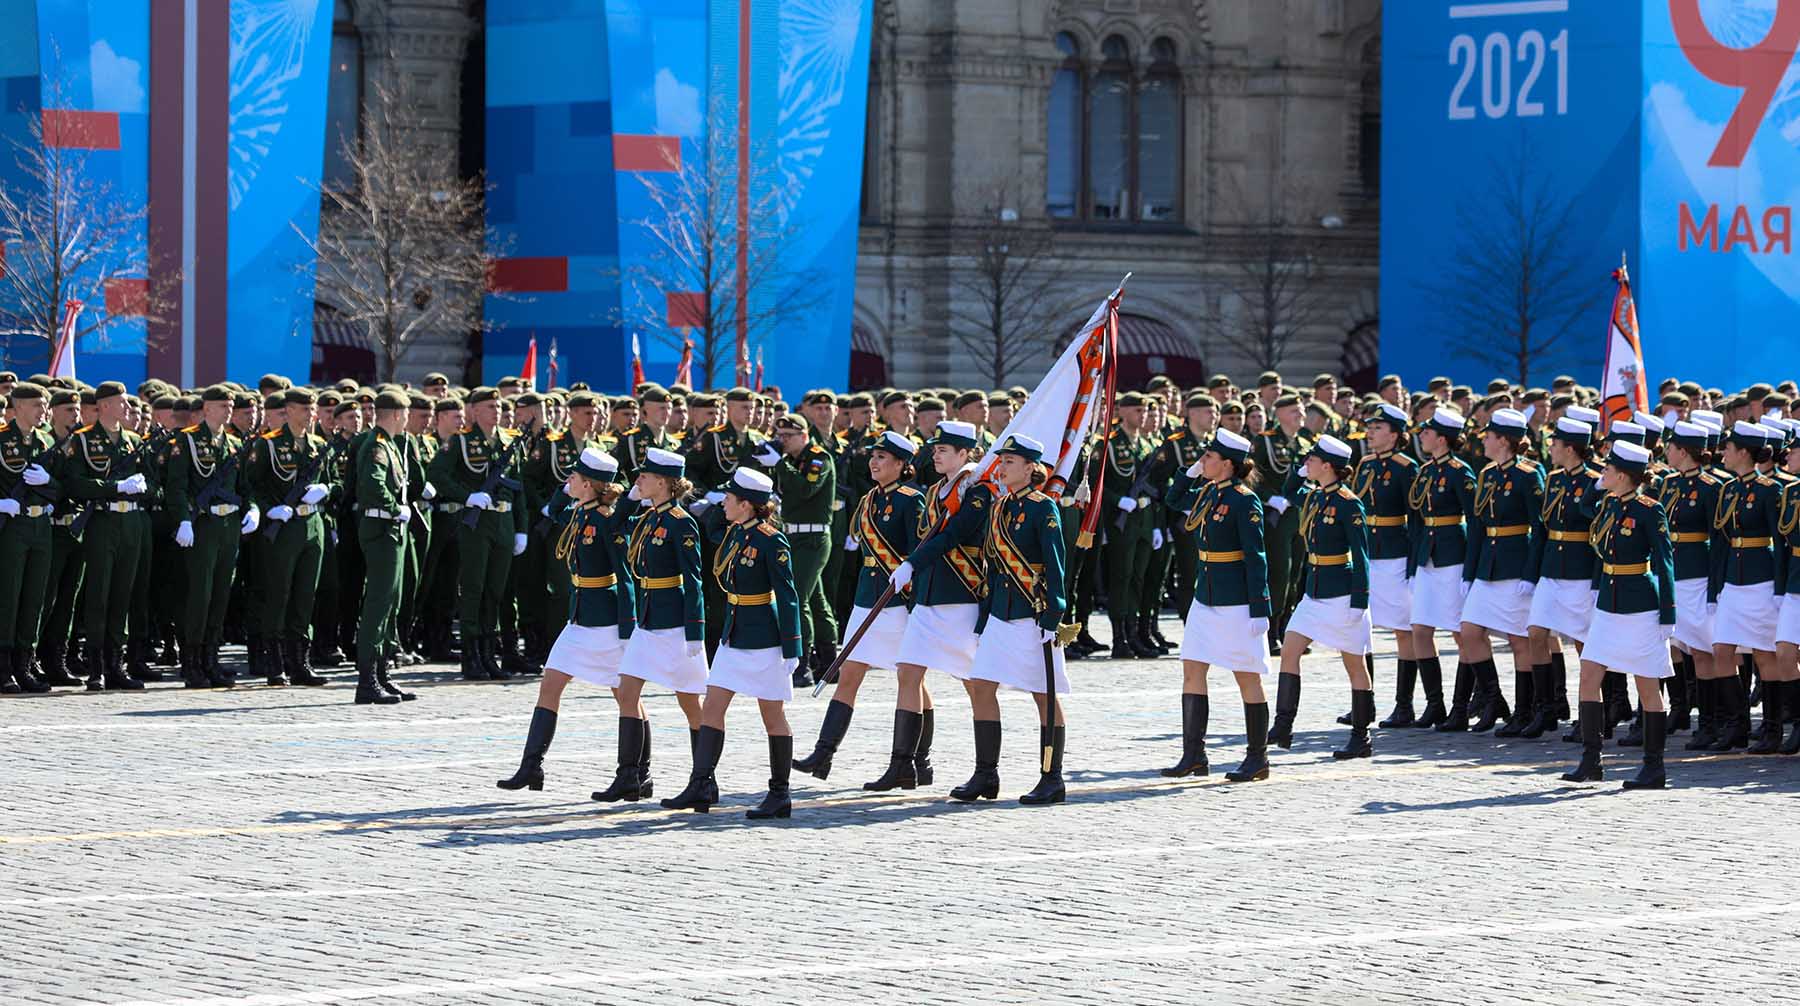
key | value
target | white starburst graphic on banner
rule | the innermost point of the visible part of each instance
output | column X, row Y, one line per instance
column 268, row 43
column 818, row 40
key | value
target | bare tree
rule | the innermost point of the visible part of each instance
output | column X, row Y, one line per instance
column 1271, row 289
column 1516, row 285
column 719, row 272
column 68, row 235
column 402, row 249
column 1008, row 276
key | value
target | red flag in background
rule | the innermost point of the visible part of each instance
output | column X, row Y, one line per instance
column 1622, row 386
column 62, row 354
column 684, row 371
column 529, row 370
column 553, row 361
column 759, row 372
column 637, row 364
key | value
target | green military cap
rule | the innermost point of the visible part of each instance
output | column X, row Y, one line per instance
column 1132, row 399
column 273, row 382
column 1461, row 390
column 1268, row 379
column 150, row 388
column 654, row 393
column 389, row 401
column 8, row 377
column 418, row 400
column 580, row 386
column 108, row 389
column 1561, row 401
column 1389, row 381
column 346, row 386
column 243, row 400
column 346, row 407
column 1562, row 381
column 818, row 397
column 860, row 400
column 64, row 396
column 483, row 394
column 1284, row 401
column 434, row 379
column 583, row 400
column 999, row 398
column 26, row 392
column 968, row 398
column 446, row 404
column 1437, row 384
column 1319, row 408
column 929, row 404
column 1159, row 382
column 894, row 398
column 510, row 382
column 528, row 398
column 1535, row 395
column 300, row 396
column 1498, row 385
column 1321, row 380
column 703, row 401
column 329, row 398
column 362, row 396
column 46, row 381
column 1218, row 381
column 163, row 401
column 1017, row 393
column 623, row 402
column 1198, row 400
column 188, row 403
column 1676, row 400
column 740, row 395
column 794, row 423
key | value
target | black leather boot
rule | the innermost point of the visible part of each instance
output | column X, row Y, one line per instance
column 1680, row 693
column 1362, row 713
column 1195, row 710
column 7, row 685
column 1589, row 721
column 831, row 734
column 1617, row 698
column 922, row 757
column 95, row 663
column 1733, row 715
column 368, row 690
column 1287, row 706
column 985, row 783
column 1543, row 713
column 1792, row 705
column 899, row 774
column 56, row 672
column 115, row 677
column 1431, row 680
column 776, row 803
column 1706, row 727
column 1140, row 639
column 297, row 660
column 510, row 659
column 1653, row 775
column 702, row 790
column 646, row 786
column 29, row 683
column 268, row 657
column 138, row 651
column 629, row 779
column 1255, row 766
column 217, row 673
column 1524, row 701
column 1768, row 740
column 387, row 683
column 1634, row 735
column 1156, row 636
column 1559, row 683
column 489, row 648
column 1049, row 788
column 1404, row 675
column 537, row 744
column 1456, row 720
column 1492, row 705
column 193, row 668
column 472, row 667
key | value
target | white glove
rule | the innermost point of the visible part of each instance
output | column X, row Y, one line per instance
column 1523, row 588
column 429, row 492
column 766, row 454
column 133, row 485
column 634, row 495
column 252, row 521
column 49, row 509
column 1193, row 471
column 314, row 493
column 35, row 475
column 851, row 544
column 1084, row 493
column 698, row 507
column 1279, row 503
column 696, row 649
column 406, row 515
column 184, row 535
column 9, row 506
column 1156, row 540
column 281, row 512
column 1046, row 635
column 901, row 576
column 480, row 501
column 519, row 544
column 1127, row 504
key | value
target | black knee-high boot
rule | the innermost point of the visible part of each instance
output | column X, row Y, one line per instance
column 1493, row 707
column 628, row 778
column 1194, row 714
column 1431, row 679
column 1768, row 740
column 1049, row 788
column 1255, row 765
column 1543, row 712
column 1589, row 769
column 1362, row 713
column 1792, row 705
column 1652, row 775
column 702, row 791
column 1559, row 680
column 777, row 803
column 831, row 734
column 1617, row 697
column 1287, row 706
column 922, row 757
column 1457, row 719
column 1404, row 675
column 1733, row 715
column 537, row 743
column 985, row 783
column 1681, row 693
column 899, row 775
column 1524, row 701
column 1706, row 727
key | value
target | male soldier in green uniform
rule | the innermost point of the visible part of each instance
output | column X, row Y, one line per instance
column 651, row 431
column 1178, row 452
column 549, row 466
column 288, row 482
column 1127, row 517
column 485, row 551
column 437, row 583
column 971, row 407
column 1294, row 440
column 104, row 465
column 337, row 597
column 206, row 493
column 420, row 448
column 806, row 480
column 853, row 483
column 388, row 481
column 28, row 493
column 716, row 453
column 528, row 579
column 68, row 563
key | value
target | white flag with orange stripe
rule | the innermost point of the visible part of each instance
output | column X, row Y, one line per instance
column 1623, row 390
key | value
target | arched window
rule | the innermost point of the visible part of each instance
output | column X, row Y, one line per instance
column 1115, row 134
column 343, row 98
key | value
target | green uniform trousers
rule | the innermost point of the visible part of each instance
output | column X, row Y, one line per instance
column 209, row 566
column 384, row 548
column 1156, row 572
column 116, row 543
column 25, row 557
column 484, row 558
column 1187, row 565
column 1127, row 563
column 812, row 551
column 290, row 567
column 1285, row 561
column 68, row 564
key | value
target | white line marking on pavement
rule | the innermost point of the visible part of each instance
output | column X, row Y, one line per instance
column 1251, row 844
column 93, row 899
column 984, row 958
column 363, row 768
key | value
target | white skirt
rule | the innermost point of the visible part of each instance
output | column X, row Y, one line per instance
column 1565, row 607
column 1747, row 615
column 1630, row 644
column 941, row 637
column 660, row 657
column 1693, row 624
column 1332, row 622
column 880, row 646
column 1009, row 654
column 761, row 673
column 1787, row 624
column 1437, row 599
column 1497, row 605
column 1390, row 594
column 588, row 653
column 1226, row 638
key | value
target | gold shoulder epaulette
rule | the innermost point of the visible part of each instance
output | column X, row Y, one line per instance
column 768, row 528
column 720, row 428
column 191, row 429
column 554, row 435
column 1244, row 489
column 1707, row 477
column 677, row 511
column 272, row 434
column 908, row 491
column 1346, row 492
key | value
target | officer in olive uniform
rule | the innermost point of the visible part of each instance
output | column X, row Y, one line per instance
column 389, row 482
column 287, row 473
column 462, row 473
column 68, row 563
column 1128, row 519
column 105, row 465
column 549, row 464
column 1177, row 452
column 651, row 431
column 437, row 582
column 1383, row 481
column 715, row 453
column 805, row 478
column 852, row 449
column 28, row 494
column 207, row 494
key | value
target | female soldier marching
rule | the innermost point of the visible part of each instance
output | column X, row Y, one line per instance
column 1748, row 518
column 1443, row 492
column 590, row 545
column 1023, row 604
column 884, row 529
column 1634, row 612
column 1228, row 619
column 1503, row 525
column 759, row 646
column 1562, row 560
column 1690, row 501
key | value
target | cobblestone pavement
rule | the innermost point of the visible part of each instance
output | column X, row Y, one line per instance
column 282, row 846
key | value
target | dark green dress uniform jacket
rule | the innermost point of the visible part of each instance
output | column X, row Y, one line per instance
column 634, row 444
column 1748, row 518
column 1226, row 521
column 1789, row 542
column 550, row 460
column 1334, row 531
column 1443, row 494
column 1689, row 504
column 1505, row 521
column 19, row 449
column 1383, row 483
column 755, row 568
column 807, row 484
column 195, row 459
column 886, row 528
column 590, row 544
column 98, row 462
column 663, row 555
column 1635, row 568
column 716, row 453
column 947, row 560
column 280, row 463
column 1563, row 549
column 1024, row 561
column 461, row 468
